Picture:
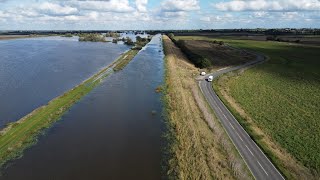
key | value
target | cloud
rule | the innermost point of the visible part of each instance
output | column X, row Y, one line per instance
column 120, row 6
column 141, row 5
column 180, row 5
column 218, row 18
column 269, row 5
column 56, row 9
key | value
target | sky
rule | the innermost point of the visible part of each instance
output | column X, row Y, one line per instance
column 157, row 14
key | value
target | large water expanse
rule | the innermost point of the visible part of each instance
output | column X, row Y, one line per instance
column 34, row 71
column 112, row 133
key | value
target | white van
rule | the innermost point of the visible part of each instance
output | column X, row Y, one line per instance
column 203, row 73
column 210, row 78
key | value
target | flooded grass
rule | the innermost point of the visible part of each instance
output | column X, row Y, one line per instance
column 125, row 59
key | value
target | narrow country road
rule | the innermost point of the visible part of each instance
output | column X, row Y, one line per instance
column 258, row 163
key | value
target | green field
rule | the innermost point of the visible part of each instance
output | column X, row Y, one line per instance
column 282, row 96
column 18, row 136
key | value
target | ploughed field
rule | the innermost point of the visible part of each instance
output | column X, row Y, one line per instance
column 282, row 98
column 217, row 54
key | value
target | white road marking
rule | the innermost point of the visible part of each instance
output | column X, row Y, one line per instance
column 249, row 150
column 240, row 137
column 225, row 116
column 231, row 125
column 263, row 168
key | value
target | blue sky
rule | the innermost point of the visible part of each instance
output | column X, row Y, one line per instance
column 157, row 14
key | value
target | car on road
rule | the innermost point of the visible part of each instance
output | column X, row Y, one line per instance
column 210, row 78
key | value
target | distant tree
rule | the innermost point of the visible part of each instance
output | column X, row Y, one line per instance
column 128, row 41
column 171, row 35
column 271, row 38
column 221, row 43
column 138, row 38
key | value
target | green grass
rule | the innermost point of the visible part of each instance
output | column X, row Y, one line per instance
column 18, row 136
column 125, row 59
column 282, row 96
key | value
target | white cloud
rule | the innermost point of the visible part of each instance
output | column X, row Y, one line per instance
column 141, row 5
column 56, row 9
column 269, row 5
column 180, row 5
column 260, row 14
column 218, row 18
column 106, row 6
column 206, row 19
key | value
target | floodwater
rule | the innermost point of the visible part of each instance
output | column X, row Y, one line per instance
column 112, row 133
column 34, row 71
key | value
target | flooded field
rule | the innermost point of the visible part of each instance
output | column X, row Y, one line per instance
column 112, row 133
column 35, row 70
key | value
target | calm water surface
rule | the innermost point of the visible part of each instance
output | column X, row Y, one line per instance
column 110, row 134
column 34, row 71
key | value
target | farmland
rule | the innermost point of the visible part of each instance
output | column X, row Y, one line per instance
column 278, row 102
column 212, row 54
column 302, row 39
column 198, row 146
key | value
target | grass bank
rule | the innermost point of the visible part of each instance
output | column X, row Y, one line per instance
column 8, row 37
column 125, row 59
column 198, row 147
column 18, row 136
column 278, row 103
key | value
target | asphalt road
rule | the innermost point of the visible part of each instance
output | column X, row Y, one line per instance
column 259, row 165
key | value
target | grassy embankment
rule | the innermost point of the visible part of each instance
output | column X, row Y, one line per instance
column 198, row 147
column 278, row 103
column 126, row 58
column 138, row 45
column 8, row 37
column 18, row 136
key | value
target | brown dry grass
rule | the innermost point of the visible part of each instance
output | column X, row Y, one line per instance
column 197, row 151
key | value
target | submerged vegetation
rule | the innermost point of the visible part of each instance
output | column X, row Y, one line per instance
column 67, row 35
column 125, row 59
column 18, row 136
column 112, row 34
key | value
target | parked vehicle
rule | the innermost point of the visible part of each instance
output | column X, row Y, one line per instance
column 203, row 73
